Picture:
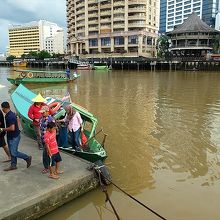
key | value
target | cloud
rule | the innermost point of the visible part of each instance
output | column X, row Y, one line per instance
column 24, row 11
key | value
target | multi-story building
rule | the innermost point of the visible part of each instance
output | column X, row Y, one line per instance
column 116, row 27
column 34, row 36
column 174, row 13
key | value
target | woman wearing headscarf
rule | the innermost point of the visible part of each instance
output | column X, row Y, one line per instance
column 74, row 124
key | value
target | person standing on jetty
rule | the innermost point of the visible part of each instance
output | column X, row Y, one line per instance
column 35, row 114
column 53, row 152
column 2, row 138
column 13, row 137
column 44, row 120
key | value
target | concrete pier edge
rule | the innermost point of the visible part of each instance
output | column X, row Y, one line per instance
column 26, row 193
column 40, row 206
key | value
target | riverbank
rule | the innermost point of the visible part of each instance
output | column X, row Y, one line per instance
column 132, row 64
column 29, row 194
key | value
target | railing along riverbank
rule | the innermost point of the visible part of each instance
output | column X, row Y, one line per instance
column 131, row 63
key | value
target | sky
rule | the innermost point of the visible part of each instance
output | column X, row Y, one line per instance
column 24, row 11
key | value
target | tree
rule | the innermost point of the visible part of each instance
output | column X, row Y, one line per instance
column 43, row 54
column 163, row 46
column 216, row 43
column 10, row 58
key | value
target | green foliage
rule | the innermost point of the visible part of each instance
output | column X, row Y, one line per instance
column 10, row 58
column 216, row 43
column 43, row 54
column 163, row 46
column 40, row 55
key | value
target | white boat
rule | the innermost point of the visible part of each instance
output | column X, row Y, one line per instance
column 84, row 67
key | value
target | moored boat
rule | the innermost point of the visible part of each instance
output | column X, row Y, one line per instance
column 37, row 76
column 84, row 67
column 19, row 63
column 100, row 66
column 22, row 100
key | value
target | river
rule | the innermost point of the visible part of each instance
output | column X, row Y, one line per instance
column 163, row 142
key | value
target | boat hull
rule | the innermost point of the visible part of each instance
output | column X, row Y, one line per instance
column 92, row 157
column 100, row 67
column 20, row 64
column 83, row 67
column 17, row 81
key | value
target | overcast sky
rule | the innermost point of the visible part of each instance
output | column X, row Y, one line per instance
column 24, row 11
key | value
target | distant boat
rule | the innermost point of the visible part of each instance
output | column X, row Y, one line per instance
column 19, row 63
column 100, row 66
column 37, row 76
column 192, row 69
column 84, row 67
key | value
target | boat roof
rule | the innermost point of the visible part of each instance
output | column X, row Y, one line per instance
column 22, row 100
column 39, row 71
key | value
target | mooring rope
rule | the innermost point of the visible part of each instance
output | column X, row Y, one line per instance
column 104, row 189
column 108, row 199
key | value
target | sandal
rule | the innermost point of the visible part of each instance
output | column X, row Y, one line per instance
column 53, row 177
column 45, row 171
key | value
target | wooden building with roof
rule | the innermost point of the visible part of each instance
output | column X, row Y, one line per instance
column 192, row 40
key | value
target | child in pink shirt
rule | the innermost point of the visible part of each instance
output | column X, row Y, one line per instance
column 53, row 152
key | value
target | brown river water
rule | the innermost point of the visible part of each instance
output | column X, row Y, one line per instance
column 163, row 142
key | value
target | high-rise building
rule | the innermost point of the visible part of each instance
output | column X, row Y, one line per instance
column 112, row 26
column 217, row 18
column 174, row 13
column 34, row 36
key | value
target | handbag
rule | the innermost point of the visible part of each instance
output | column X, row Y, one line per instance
column 83, row 138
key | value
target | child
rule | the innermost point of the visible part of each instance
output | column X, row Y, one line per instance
column 44, row 120
column 52, row 150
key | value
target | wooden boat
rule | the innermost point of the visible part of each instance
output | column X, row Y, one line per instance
column 19, row 63
column 100, row 66
column 193, row 69
column 84, row 67
column 37, row 76
column 95, row 151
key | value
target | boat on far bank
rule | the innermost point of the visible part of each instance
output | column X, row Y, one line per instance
column 38, row 76
column 101, row 66
column 192, row 69
column 84, row 67
column 19, row 63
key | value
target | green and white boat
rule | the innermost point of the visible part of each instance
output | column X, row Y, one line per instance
column 38, row 76
column 100, row 66
column 94, row 151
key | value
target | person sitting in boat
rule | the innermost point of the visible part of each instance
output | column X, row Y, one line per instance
column 68, row 72
column 35, row 114
column 44, row 120
column 75, row 125
column 75, row 74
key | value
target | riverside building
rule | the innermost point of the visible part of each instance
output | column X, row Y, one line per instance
column 103, row 28
column 174, row 13
column 35, row 36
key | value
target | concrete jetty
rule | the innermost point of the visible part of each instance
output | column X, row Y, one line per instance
column 29, row 194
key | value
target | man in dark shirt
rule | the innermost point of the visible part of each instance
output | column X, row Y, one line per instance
column 13, row 137
column 2, row 138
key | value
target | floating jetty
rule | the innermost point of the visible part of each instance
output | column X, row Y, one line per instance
column 29, row 194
